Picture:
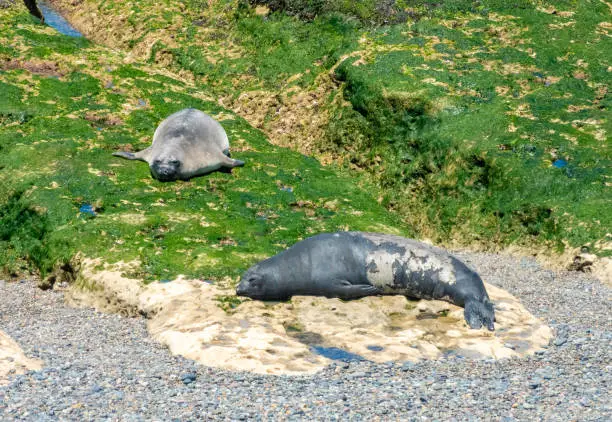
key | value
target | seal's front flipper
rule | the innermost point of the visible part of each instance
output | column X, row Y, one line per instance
column 345, row 290
column 125, row 154
column 141, row 155
column 478, row 313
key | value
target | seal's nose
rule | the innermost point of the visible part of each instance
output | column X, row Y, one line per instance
column 241, row 289
column 164, row 173
column 167, row 171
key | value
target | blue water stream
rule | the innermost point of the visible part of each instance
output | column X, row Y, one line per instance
column 57, row 21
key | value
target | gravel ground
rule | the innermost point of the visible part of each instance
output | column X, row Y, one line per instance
column 104, row 367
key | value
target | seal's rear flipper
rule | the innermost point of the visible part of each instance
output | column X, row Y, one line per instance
column 230, row 162
column 479, row 313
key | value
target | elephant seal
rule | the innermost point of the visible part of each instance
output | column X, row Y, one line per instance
column 350, row 265
column 186, row 144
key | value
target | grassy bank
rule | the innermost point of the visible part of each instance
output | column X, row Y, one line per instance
column 493, row 123
column 67, row 104
column 481, row 123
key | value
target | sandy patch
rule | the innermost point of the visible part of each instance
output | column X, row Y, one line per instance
column 12, row 359
column 207, row 323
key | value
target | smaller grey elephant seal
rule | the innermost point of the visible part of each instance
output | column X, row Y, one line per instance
column 186, row 144
column 350, row 265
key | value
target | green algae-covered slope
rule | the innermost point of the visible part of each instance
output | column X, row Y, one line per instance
column 481, row 123
column 67, row 104
column 495, row 118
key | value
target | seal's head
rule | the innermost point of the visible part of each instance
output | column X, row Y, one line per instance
column 469, row 289
column 257, row 283
column 166, row 169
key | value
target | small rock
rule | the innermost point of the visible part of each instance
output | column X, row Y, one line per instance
column 358, row 374
column 96, row 389
column 562, row 335
column 535, row 383
column 189, row 378
column 118, row 395
column 38, row 376
column 546, row 373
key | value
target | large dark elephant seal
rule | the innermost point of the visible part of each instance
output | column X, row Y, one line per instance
column 186, row 144
column 350, row 265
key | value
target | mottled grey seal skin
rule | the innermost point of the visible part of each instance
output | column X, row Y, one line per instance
column 350, row 265
column 186, row 144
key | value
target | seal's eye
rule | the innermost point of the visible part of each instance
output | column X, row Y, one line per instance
column 255, row 281
column 157, row 161
column 175, row 162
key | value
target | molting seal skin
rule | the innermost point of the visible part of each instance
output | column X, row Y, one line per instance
column 350, row 265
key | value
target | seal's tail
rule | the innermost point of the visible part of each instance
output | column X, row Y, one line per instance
column 478, row 313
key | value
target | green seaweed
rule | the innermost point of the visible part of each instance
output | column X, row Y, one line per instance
column 453, row 120
column 63, row 193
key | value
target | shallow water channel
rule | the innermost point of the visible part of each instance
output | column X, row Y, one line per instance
column 55, row 20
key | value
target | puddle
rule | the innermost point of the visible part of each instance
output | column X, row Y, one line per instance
column 335, row 353
column 559, row 164
column 87, row 209
column 57, row 21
